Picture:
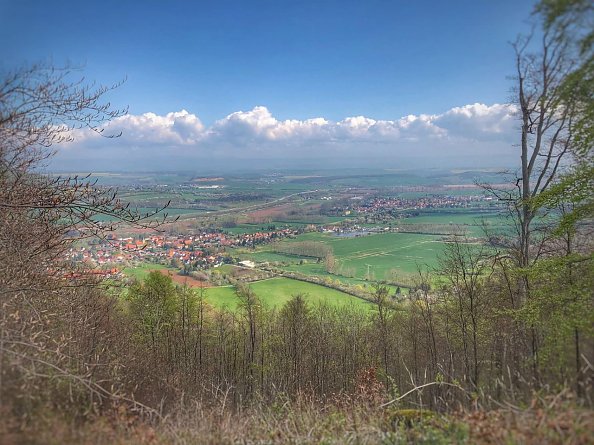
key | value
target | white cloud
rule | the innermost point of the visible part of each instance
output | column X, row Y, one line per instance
column 261, row 125
column 479, row 121
column 477, row 130
column 177, row 128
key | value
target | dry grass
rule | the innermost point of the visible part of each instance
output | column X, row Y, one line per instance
column 546, row 421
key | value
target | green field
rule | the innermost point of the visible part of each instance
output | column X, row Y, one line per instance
column 311, row 267
column 263, row 255
column 382, row 252
column 275, row 292
column 359, row 259
column 471, row 221
column 460, row 217
column 141, row 271
column 170, row 212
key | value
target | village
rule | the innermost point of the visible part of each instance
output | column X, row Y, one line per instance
column 394, row 206
column 202, row 250
column 210, row 248
column 421, row 203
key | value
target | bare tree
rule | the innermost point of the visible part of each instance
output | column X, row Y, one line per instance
column 250, row 310
column 547, row 116
column 40, row 106
column 464, row 266
column 42, row 216
column 382, row 320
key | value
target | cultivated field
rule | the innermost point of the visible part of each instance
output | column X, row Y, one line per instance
column 275, row 292
column 378, row 253
column 141, row 271
column 259, row 202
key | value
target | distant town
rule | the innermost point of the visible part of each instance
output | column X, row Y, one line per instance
column 200, row 251
column 210, row 248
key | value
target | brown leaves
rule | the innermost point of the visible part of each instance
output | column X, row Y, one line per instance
column 562, row 422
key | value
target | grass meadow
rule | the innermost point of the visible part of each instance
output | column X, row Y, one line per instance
column 141, row 271
column 360, row 259
column 380, row 253
column 275, row 292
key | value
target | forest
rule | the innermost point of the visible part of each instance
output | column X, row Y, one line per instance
column 496, row 345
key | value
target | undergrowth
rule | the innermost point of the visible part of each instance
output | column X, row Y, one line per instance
column 547, row 420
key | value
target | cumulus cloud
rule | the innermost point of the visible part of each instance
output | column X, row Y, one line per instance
column 177, row 128
column 478, row 130
column 479, row 121
column 259, row 125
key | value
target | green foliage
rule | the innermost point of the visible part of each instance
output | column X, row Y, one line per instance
column 296, row 311
column 576, row 189
column 560, row 305
column 153, row 305
column 572, row 19
column 408, row 416
column 248, row 301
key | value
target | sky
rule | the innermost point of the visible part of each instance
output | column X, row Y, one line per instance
column 278, row 83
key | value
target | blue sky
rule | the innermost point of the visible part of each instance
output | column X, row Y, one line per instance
column 299, row 59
